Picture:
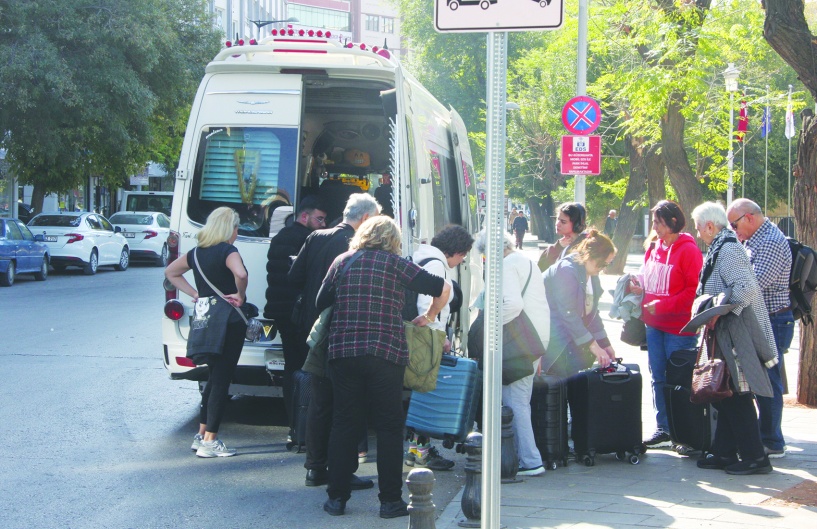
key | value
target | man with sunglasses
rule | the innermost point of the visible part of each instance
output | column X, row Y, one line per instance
column 770, row 256
column 281, row 294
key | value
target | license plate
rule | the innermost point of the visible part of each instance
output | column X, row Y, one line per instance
column 129, row 235
column 50, row 238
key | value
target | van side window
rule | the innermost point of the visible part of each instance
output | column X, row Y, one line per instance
column 240, row 168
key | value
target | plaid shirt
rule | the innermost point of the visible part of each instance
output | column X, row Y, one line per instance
column 369, row 300
column 770, row 256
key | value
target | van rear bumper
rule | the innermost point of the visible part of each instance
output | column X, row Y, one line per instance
column 244, row 375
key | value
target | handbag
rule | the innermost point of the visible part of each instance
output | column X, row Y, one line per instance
column 521, row 345
column 425, row 347
column 634, row 332
column 247, row 311
column 710, row 378
column 208, row 329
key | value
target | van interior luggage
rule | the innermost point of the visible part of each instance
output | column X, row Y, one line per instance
column 448, row 412
column 301, row 395
column 691, row 426
column 548, row 407
column 605, row 404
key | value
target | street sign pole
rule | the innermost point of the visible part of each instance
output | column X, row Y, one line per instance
column 581, row 86
column 495, row 180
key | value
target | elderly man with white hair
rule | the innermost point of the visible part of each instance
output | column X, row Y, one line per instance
column 744, row 340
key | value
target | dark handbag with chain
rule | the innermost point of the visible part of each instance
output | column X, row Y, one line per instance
column 710, row 378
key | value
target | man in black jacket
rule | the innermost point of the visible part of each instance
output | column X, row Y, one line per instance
column 281, row 294
column 307, row 272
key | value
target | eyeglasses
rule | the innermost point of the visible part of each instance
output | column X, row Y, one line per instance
column 735, row 224
column 321, row 219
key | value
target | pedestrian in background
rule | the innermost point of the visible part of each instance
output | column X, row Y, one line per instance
column 522, row 289
column 368, row 354
column 611, row 223
column 520, row 227
column 222, row 265
column 281, row 292
column 571, row 221
column 577, row 336
column 668, row 280
column 745, row 342
column 770, row 256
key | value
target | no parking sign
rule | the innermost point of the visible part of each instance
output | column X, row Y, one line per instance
column 581, row 115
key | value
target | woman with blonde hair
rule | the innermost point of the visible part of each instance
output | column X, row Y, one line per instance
column 221, row 263
column 577, row 337
column 368, row 354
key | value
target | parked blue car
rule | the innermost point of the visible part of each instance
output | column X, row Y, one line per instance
column 21, row 252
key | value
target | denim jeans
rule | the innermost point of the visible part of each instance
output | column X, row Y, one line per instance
column 517, row 396
column 770, row 409
column 660, row 345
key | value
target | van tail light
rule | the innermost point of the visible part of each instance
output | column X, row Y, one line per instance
column 172, row 254
column 174, row 310
column 149, row 234
column 183, row 361
column 74, row 237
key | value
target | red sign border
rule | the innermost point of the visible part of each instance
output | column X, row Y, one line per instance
column 581, row 99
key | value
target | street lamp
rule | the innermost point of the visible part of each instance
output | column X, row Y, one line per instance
column 261, row 23
column 730, row 76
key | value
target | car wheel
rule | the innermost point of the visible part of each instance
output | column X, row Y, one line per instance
column 93, row 263
column 162, row 259
column 42, row 275
column 124, row 260
column 7, row 279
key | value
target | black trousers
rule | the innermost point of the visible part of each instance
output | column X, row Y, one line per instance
column 738, row 429
column 295, row 351
column 222, row 367
column 361, row 384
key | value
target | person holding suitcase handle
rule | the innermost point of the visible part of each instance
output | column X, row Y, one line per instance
column 670, row 277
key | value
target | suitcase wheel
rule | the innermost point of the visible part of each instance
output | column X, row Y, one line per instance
column 634, row 459
column 589, row 461
column 551, row 465
column 620, row 456
column 682, row 449
column 448, row 443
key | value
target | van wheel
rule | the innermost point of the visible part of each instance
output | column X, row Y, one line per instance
column 124, row 260
column 7, row 279
column 42, row 275
column 454, row 5
column 162, row 259
column 90, row 267
column 484, row 4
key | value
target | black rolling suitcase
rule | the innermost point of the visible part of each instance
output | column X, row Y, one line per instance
column 548, row 407
column 691, row 426
column 301, row 395
column 605, row 404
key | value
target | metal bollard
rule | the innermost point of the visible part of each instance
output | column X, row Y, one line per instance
column 422, row 514
column 472, row 494
column 509, row 464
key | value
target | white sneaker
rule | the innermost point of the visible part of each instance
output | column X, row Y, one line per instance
column 197, row 439
column 774, row 454
column 538, row 471
column 214, row 448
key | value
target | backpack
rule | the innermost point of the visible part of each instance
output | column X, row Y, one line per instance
column 410, row 306
column 802, row 280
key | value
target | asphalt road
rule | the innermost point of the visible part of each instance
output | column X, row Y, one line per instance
column 96, row 435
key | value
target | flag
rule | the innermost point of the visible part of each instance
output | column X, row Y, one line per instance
column 766, row 122
column 790, row 131
column 743, row 121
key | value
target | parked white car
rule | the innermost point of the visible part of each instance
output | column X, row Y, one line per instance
column 85, row 240
column 146, row 233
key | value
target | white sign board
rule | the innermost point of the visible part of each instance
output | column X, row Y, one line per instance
column 497, row 15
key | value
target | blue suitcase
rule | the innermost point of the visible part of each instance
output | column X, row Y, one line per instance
column 605, row 404
column 448, row 412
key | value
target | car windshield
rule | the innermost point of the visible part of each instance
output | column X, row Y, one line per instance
column 62, row 221
column 143, row 220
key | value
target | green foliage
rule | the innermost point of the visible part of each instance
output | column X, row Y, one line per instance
column 98, row 88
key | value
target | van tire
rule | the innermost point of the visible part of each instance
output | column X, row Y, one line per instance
column 91, row 266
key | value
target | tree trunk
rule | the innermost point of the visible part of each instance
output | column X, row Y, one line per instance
column 538, row 216
column 656, row 186
column 683, row 179
column 630, row 210
column 37, row 198
column 787, row 32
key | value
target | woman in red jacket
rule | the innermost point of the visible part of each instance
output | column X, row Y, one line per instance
column 670, row 277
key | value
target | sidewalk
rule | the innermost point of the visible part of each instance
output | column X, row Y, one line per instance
column 666, row 489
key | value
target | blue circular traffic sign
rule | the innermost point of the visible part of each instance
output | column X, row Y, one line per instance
column 581, row 115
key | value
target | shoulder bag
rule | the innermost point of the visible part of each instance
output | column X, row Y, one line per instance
column 521, row 345
column 318, row 339
column 710, row 378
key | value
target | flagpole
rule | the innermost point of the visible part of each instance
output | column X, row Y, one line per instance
column 766, row 170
